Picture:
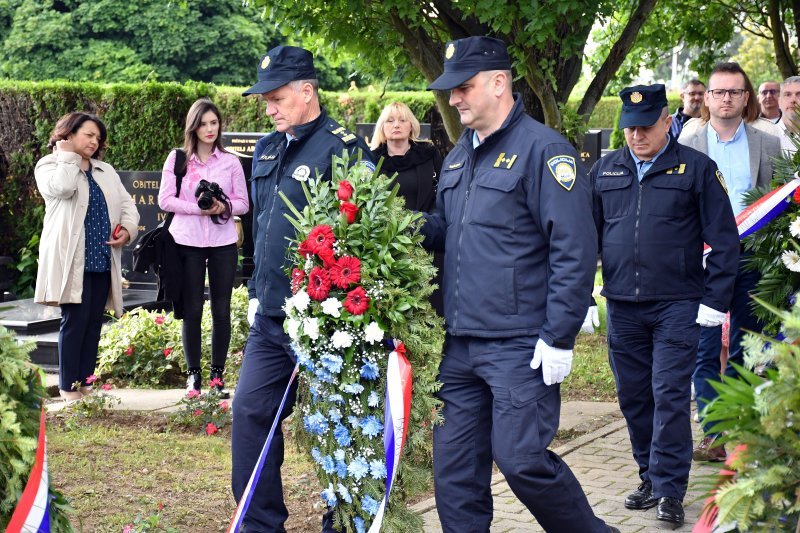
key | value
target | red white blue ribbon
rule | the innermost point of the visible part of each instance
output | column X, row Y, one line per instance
column 32, row 512
column 396, row 418
column 763, row 211
column 244, row 502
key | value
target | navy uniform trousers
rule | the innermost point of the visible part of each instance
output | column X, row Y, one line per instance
column 266, row 368
column 652, row 348
column 496, row 406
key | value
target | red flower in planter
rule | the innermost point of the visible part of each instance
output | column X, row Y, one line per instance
column 129, row 351
column 211, row 428
column 167, row 352
column 345, row 272
column 350, row 210
column 223, row 405
column 193, row 393
column 106, row 386
column 216, row 382
column 159, row 319
column 321, row 237
column 197, row 412
column 298, row 276
column 345, row 191
column 319, row 284
column 357, row 301
column 91, row 379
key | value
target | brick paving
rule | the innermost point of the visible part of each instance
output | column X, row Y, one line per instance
column 602, row 462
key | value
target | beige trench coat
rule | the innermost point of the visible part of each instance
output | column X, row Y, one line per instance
column 65, row 189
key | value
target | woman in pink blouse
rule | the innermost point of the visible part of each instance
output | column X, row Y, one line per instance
column 212, row 191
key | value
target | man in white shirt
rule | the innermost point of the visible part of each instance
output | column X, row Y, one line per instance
column 789, row 100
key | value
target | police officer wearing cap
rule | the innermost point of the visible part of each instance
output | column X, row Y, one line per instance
column 513, row 217
column 300, row 148
column 655, row 203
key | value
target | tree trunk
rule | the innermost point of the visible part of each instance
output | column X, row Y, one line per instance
column 615, row 58
column 783, row 56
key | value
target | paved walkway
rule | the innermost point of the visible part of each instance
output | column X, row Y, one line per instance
column 601, row 460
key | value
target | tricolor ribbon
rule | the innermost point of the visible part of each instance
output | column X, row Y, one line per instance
column 32, row 512
column 244, row 502
column 396, row 417
column 763, row 211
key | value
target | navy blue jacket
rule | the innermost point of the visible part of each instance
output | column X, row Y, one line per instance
column 280, row 168
column 652, row 233
column 520, row 246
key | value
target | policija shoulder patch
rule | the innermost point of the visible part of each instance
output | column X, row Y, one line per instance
column 722, row 181
column 563, row 169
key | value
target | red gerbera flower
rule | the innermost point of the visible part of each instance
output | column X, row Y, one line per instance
column 298, row 276
column 346, row 271
column 357, row 301
column 321, row 237
column 319, row 284
column 350, row 210
column 345, row 191
column 326, row 254
column 797, row 195
column 306, row 249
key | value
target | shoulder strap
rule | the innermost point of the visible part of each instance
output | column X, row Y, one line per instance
column 179, row 169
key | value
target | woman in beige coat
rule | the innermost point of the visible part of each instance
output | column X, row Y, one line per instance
column 89, row 217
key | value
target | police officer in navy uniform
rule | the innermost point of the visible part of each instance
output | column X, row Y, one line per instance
column 300, row 148
column 513, row 217
column 655, row 203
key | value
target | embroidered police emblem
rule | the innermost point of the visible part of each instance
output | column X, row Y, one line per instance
column 564, row 170
column 265, row 63
column 451, row 49
column 301, row 173
column 636, row 97
column 722, row 181
column 369, row 165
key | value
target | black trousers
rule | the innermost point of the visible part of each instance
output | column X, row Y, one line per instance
column 79, row 333
column 221, row 262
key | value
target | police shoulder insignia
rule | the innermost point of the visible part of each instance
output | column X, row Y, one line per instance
column 564, row 170
column 722, row 181
column 453, row 166
column 346, row 136
column 369, row 165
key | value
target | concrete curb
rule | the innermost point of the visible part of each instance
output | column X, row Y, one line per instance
column 565, row 449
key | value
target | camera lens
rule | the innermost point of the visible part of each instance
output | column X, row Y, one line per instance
column 205, row 200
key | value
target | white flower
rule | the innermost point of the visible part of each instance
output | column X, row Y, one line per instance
column 301, row 300
column 292, row 328
column 791, row 259
column 311, row 328
column 794, row 227
column 331, row 307
column 341, row 339
column 288, row 306
column 373, row 333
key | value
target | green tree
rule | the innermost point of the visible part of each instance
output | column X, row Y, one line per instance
column 757, row 57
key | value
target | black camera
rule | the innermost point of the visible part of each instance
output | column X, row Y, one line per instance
column 206, row 192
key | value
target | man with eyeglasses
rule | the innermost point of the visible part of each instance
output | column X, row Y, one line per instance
column 692, row 99
column 768, row 101
column 744, row 155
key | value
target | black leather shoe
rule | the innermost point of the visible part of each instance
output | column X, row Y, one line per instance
column 194, row 381
column 670, row 510
column 642, row 497
column 219, row 385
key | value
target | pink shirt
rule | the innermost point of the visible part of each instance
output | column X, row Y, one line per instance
column 189, row 227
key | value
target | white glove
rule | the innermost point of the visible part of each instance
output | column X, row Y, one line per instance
column 709, row 318
column 555, row 362
column 591, row 321
column 252, row 307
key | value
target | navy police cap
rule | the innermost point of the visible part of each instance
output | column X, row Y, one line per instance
column 281, row 65
column 464, row 58
column 642, row 105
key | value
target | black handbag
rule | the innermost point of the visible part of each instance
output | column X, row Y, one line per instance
column 157, row 252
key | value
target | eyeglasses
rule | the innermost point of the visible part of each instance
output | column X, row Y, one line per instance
column 765, row 92
column 718, row 94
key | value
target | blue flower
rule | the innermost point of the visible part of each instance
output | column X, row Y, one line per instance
column 344, row 493
column 369, row 505
column 374, row 400
column 341, row 468
column 314, row 389
column 339, row 455
column 370, row 426
column 342, row 435
column 329, row 496
column 359, row 523
column 377, row 469
column 336, row 398
column 316, row 454
column 324, row 376
column 315, row 424
column 335, row 415
column 328, row 465
column 358, row 468
column 369, row 370
column 331, row 362
column 353, row 421
column 353, row 388
column 303, row 358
